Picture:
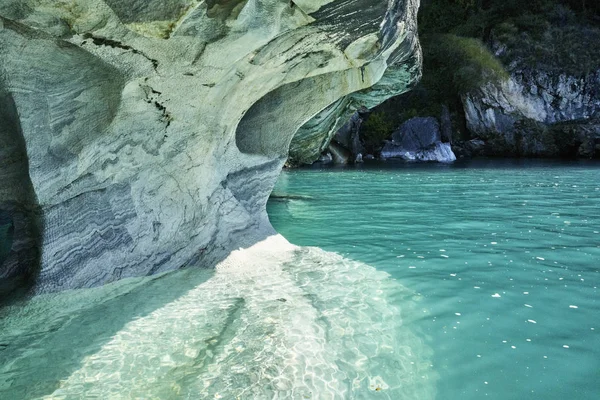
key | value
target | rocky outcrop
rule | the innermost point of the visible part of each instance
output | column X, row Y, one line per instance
column 516, row 117
column 418, row 139
column 417, row 133
column 143, row 136
column 536, row 95
column 404, row 71
column 468, row 148
column 349, row 134
column 439, row 152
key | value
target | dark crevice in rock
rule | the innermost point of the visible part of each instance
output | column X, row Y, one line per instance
column 166, row 116
column 100, row 41
column 199, row 54
column 265, row 53
column 151, row 98
column 77, row 196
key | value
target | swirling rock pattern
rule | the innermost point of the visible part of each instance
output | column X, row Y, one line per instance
column 144, row 136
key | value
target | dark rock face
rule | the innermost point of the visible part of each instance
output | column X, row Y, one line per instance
column 528, row 138
column 143, row 136
column 349, row 134
column 340, row 154
column 20, row 219
column 468, row 149
column 526, row 116
column 417, row 133
column 419, row 139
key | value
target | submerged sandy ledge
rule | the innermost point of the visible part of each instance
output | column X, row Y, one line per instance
column 270, row 321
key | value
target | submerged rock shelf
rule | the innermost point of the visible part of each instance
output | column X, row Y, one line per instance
column 270, row 321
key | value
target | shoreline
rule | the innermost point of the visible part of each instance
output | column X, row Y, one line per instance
column 461, row 163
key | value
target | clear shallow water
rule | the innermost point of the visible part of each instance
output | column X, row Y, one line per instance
column 505, row 258
column 270, row 322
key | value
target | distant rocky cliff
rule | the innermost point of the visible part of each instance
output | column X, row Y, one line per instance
column 502, row 78
column 142, row 136
column 533, row 113
column 537, row 113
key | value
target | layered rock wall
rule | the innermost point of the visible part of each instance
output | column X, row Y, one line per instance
column 537, row 95
column 143, row 136
column 404, row 72
column 520, row 116
column 418, row 139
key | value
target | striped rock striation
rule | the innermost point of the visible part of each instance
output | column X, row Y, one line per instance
column 140, row 136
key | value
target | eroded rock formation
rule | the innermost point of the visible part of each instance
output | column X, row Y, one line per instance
column 144, row 136
column 537, row 113
column 316, row 136
column 418, row 139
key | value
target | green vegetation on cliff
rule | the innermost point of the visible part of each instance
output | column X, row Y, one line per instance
column 539, row 33
column 468, row 43
column 377, row 129
column 457, row 65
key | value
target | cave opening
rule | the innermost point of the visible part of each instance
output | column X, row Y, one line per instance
column 268, row 127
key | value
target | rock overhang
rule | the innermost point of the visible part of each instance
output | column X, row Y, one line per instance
column 172, row 122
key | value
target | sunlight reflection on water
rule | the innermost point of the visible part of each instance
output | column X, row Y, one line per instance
column 506, row 257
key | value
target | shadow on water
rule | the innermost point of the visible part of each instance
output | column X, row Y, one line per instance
column 287, row 197
column 46, row 339
column 308, row 318
column 7, row 234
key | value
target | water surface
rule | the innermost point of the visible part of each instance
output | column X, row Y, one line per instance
column 504, row 256
column 270, row 322
column 441, row 282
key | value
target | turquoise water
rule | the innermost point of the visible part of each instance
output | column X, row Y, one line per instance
column 434, row 282
column 270, row 322
column 504, row 259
